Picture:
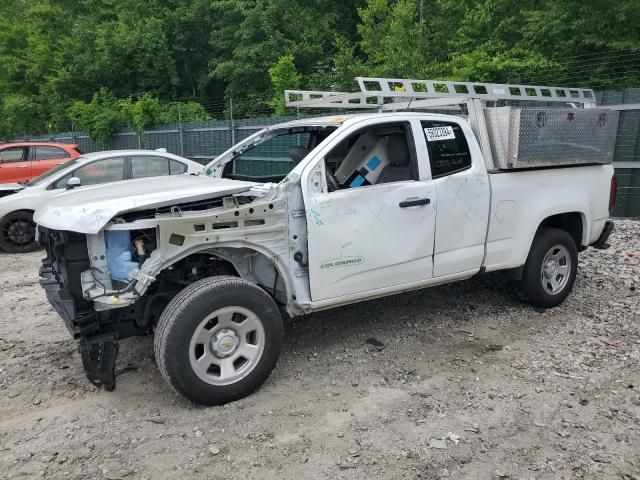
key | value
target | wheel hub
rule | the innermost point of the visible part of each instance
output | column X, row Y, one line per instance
column 550, row 268
column 225, row 342
column 20, row 232
column 556, row 269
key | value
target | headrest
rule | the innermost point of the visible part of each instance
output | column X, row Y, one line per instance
column 298, row 153
column 397, row 150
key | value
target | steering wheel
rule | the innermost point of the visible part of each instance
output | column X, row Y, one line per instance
column 332, row 183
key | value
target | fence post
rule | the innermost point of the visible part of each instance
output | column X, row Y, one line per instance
column 233, row 127
column 180, row 131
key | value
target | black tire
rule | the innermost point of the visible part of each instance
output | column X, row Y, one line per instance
column 186, row 312
column 534, row 278
column 18, row 233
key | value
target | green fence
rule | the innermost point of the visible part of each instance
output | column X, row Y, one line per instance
column 627, row 154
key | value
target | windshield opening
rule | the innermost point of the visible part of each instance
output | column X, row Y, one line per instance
column 271, row 158
column 40, row 179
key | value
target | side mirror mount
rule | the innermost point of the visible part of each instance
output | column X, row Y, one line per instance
column 73, row 182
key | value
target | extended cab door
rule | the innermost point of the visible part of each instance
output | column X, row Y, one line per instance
column 462, row 189
column 14, row 166
column 376, row 230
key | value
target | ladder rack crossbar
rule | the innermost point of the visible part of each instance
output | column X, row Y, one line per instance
column 319, row 99
column 397, row 93
column 399, row 87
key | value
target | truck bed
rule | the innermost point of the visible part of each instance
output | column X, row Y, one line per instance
column 520, row 200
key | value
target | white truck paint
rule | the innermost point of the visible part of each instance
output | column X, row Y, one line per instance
column 309, row 247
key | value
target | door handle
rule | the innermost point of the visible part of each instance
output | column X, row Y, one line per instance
column 415, row 203
column 22, row 166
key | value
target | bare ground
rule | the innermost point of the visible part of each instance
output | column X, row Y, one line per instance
column 471, row 383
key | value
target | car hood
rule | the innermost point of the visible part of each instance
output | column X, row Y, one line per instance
column 89, row 209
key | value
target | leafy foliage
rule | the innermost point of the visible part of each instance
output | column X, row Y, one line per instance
column 284, row 76
column 100, row 118
column 56, row 56
column 105, row 115
column 18, row 113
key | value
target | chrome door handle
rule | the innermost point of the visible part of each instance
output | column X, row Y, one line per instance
column 414, row 203
column 23, row 166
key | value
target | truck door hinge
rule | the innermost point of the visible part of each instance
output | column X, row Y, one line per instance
column 298, row 213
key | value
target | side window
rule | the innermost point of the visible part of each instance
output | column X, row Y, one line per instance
column 448, row 149
column 176, row 167
column 143, row 167
column 47, row 153
column 374, row 155
column 13, row 154
column 101, row 171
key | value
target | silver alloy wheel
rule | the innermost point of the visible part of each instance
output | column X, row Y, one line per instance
column 227, row 345
column 556, row 269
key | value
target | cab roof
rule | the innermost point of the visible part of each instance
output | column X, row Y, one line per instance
column 339, row 120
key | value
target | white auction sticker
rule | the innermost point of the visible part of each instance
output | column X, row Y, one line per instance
column 439, row 133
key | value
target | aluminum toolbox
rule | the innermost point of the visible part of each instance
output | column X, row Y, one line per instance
column 533, row 137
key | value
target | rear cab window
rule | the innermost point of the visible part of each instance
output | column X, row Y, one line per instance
column 447, row 146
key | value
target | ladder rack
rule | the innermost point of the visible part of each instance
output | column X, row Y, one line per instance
column 387, row 94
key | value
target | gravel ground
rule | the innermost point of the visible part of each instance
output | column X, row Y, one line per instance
column 469, row 383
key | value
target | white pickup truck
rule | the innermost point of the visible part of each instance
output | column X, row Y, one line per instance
column 321, row 212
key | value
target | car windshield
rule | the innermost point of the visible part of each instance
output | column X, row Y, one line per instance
column 269, row 158
column 40, row 179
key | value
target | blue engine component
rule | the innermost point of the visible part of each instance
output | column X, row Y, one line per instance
column 119, row 256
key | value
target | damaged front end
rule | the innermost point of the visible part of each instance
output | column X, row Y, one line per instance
column 116, row 283
column 67, row 257
column 119, row 253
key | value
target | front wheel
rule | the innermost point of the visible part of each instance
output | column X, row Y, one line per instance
column 18, row 233
column 551, row 268
column 218, row 340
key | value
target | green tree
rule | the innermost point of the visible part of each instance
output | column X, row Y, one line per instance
column 100, row 118
column 55, row 53
column 174, row 112
column 284, row 76
column 18, row 113
column 253, row 35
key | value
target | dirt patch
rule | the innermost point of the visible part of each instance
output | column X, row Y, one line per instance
column 462, row 381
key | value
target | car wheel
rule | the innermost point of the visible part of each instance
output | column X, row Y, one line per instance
column 18, row 233
column 218, row 340
column 551, row 268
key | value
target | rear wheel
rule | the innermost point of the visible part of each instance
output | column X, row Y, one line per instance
column 18, row 233
column 551, row 268
column 218, row 340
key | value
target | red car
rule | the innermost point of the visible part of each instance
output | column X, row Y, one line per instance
column 24, row 160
